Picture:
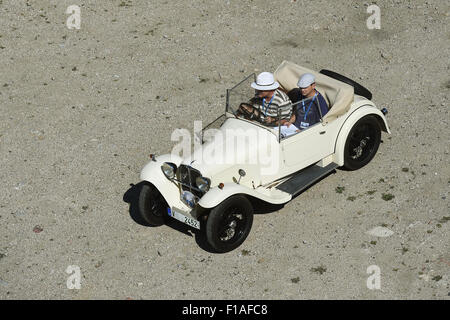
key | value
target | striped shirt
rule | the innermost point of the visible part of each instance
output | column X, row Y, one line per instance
column 269, row 108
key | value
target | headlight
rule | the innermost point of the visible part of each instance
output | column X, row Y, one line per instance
column 169, row 169
column 203, row 183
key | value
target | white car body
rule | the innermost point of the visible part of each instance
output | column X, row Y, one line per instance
column 322, row 143
column 320, row 148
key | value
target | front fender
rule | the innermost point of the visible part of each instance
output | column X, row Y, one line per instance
column 216, row 195
column 348, row 124
column 169, row 190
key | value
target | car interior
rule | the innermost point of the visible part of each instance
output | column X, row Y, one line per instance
column 338, row 95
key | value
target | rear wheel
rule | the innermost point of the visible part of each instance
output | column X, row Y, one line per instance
column 152, row 206
column 229, row 223
column 362, row 143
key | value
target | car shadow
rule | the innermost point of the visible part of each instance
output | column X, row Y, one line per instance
column 262, row 207
column 131, row 196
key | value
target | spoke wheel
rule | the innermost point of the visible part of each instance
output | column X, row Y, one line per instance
column 152, row 206
column 229, row 223
column 362, row 143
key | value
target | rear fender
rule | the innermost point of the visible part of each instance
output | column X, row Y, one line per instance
column 348, row 124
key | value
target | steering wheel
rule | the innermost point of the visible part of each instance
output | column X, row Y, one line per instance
column 249, row 115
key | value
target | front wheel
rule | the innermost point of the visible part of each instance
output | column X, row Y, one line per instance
column 229, row 223
column 362, row 143
column 152, row 206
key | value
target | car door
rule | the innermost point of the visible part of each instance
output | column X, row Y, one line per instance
column 307, row 147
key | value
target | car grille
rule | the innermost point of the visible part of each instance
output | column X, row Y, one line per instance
column 187, row 176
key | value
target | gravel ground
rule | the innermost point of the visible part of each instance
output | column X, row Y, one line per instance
column 82, row 109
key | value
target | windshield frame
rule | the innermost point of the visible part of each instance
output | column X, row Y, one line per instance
column 234, row 87
column 276, row 129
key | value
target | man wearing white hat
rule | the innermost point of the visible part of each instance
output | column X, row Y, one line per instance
column 269, row 99
column 312, row 106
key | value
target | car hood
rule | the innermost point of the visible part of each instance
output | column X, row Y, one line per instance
column 237, row 144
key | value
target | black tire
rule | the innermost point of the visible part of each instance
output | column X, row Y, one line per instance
column 152, row 205
column 229, row 223
column 359, row 89
column 362, row 143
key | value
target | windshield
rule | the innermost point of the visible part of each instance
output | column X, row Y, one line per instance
column 242, row 92
column 243, row 102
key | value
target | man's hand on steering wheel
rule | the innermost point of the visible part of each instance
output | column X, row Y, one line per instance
column 247, row 111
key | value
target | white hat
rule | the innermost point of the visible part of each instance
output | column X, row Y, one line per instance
column 306, row 80
column 265, row 82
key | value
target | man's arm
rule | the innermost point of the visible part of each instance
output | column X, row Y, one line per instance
column 321, row 106
column 291, row 118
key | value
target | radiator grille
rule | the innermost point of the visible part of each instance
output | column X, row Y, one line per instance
column 187, row 176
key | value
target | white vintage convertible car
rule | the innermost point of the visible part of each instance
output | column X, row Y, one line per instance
column 213, row 188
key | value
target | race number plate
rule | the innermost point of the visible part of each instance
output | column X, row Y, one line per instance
column 185, row 219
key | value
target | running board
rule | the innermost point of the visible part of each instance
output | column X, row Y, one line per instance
column 304, row 178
